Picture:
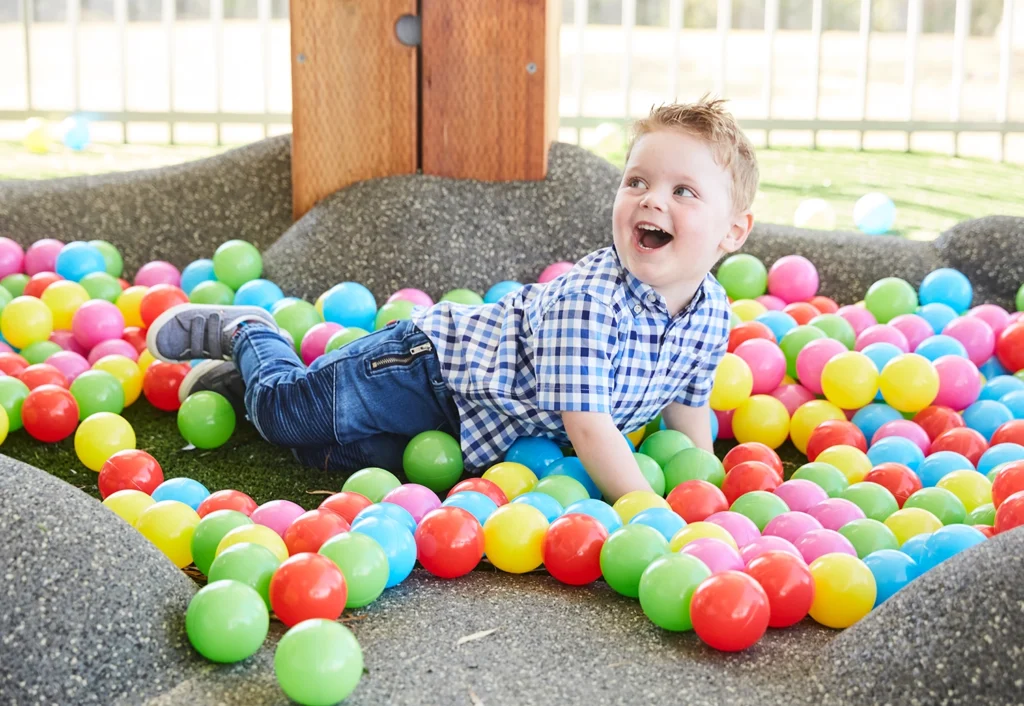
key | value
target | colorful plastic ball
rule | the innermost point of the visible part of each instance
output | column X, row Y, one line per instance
column 874, row 500
column 12, row 257
column 277, row 515
column 206, row 419
column 940, row 464
column 717, row 555
column 868, row 536
column 666, row 589
column 394, row 311
column 223, row 500
column 307, row 586
column 548, row 506
column 433, row 459
column 113, row 347
column 769, row 543
column 128, row 504
column 41, row 256
column 994, row 315
column 345, row 336
column 807, row 418
column 297, row 318
column 417, row 499
column 909, row 522
column 536, row 453
column 935, row 347
column 899, row 480
column 599, row 510
column 346, row 504
column 779, row 322
column 890, row 297
column 849, row 380
column 750, row 331
column 844, row 590
column 514, row 479
column 195, row 273
column 78, row 259
column 183, row 490
column 651, row 471
column 752, row 451
column 1009, row 347
column 982, row 515
column 975, row 335
column 514, row 538
column 892, row 571
column 157, row 272
column 1010, row 513
column 129, row 304
column 12, row 397
column 237, row 262
column 800, row 494
column 350, row 304
column 743, row 276
column 169, row 525
column 100, row 436
column 363, row 563
column 667, row 522
column 824, row 475
column 25, row 320
column 14, row 284
column 967, row 442
column 696, row 500
column 1010, row 432
column 663, row 445
column 986, row 416
column 64, row 298
column 42, row 374
column 637, row 501
column 766, row 363
column 747, row 477
column 939, row 502
column 740, row 528
column 881, row 334
column 476, row 504
column 161, row 382
column 130, row 469
column 253, row 534
column 947, row 286
column 450, row 542
column 49, row 413
column 858, row 317
column 793, row 278
column 693, row 464
column 759, row 506
column 309, row 531
column 947, row 542
column 483, row 486
column 909, row 383
column 97, row 391
column 411, row 294
column 853, row 462
column 874, row 213
column 732, row 384
column 318, row 662
column 799, row 338
column 213, row 293
column 373, row 483
column 627, row 553
column 397, row 541
column 209, row 533
column 100, row 285
column 572, row 549
column 791, row 525
column 835, row 432
column 730, row 611
column 1007, row 479
column 762, row 419
column 995, row 388
column 914, row 328
column 937, row 315
column 788, row 583
column 97, row 321
column 227, row 621
column 959, row 382
column 69, row 363
column 39, row 352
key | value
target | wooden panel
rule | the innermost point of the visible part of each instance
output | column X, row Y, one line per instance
column 485, row 114
column 353, row 95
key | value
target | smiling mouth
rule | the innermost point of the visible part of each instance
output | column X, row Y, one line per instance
column 650, row 237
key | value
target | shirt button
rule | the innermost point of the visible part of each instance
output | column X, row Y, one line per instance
column 636, row 309
column 650, row 297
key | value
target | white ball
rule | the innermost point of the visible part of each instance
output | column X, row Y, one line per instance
column 815, row 213
column 874, row 213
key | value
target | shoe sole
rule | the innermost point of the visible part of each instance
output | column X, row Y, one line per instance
column 194, row 375
column 162, row 320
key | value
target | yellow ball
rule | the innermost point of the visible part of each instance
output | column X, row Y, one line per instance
column 126, row 371
column 514, row 479
column 910, row 522
column 637, row 501
column 637, row 437
column 26, row 320
column 844, row 590
column 128, row 504
column 169, row 525
column 319, row 304
column 63, row 298
column 257, row 534
column 909, row 382
column 130, row 303
column 763, row 419
column 748, row 309
column 37, row 136
column 5, row 425
column 850, row 380
column 514, row 538
column 853, row 462
column 733, row 383
column 806, row 419
column 101, row 436
column 700, row 530
column 787, row 380
column 972, row 488
column 145, row 360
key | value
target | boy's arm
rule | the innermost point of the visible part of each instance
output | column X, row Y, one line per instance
column 604, row 453
column 695, row 422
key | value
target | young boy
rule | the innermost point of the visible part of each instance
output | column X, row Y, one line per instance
column 632, row 330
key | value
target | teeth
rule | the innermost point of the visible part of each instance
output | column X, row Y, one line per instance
column 646, row 226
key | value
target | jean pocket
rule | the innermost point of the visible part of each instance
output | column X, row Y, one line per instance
column 385, row 361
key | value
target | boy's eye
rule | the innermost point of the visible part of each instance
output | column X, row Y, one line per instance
column 634, row 182
column 684, row 191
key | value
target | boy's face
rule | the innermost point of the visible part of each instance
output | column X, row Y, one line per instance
column 673, row 215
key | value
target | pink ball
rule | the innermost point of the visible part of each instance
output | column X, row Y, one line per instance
column 771, row 302
column 792, row 396
column 959, row 382
column 1016, row 316
column 158, row 272
column 4, row 348
column 791, row 525
column 417, row 499
column 976, row 335
column 741, row 527
column 96, row 321
column 315, row 340
column 834, row 513
column 716, row 554
column 70, row 363
column 767, row 362
column 41, row 256
column 554, row 270
column 113, row 346
column 793, row 278
column 725, row 423
column 278, row 515
column 800, row 494
column 812, row 359
column 858, row 317
column 66, row 340
column 12, row 257
column 768, row 544
column 914, row 328
column 995, row 316
column 820, row 542
column 905, row 428
column 409, row 294
column 882, row 333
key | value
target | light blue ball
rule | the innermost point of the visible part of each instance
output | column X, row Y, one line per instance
column 914, row 547
column 934, row 347
column 500, row 289
column 535, row 452
column 714, row 425
column 946, row 286
column 78, row 259
column 939, row 465
column 892, row 570
column 1015, row 403
column 987, row 416
column 389, row 510
column 881, row 353
column 396, row 541
column 937, row 314
column 998, row 387
column 896, row 449
column 665, row 521
column 870, row 419
column 549, row 507
column 992, row 368
column 778, row 321
column 599, row 510
column 184, row 490
column 947, row 542
column 998, row 455
column 350, row 304
column 573, row 467
column 259, row 292
column 874, row 213
column 476, row 504
column 195, row 273
column 76, row 132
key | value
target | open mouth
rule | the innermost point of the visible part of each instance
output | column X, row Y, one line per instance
column 650, row 237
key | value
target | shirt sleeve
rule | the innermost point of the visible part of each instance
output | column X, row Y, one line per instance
column 696, row 391
column 573, row 346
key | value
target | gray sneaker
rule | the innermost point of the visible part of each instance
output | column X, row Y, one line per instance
column 220, row 376
column 190, row 331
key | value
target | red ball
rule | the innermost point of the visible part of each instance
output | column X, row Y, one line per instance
column 788, row 583
column 346, row 504
column 131, row 469
column 43, row 374
column 124, row 283
column 481, row 485
column 12, row 364
column 965, row 441
column 747, row 477
column 159, row 299
column 307, row 586
column 835, row 432
column 135, row 336
column 449, row 542
column 747, row 331
column 896, row 478
column 936, row 420
column 227, row 500
column 572, row 549
column 752, row 451
column 1010, row 347
column 38, row 283
column 1011, row 432
column 802, row 312
column 696, row 500
column 1010, row 514
column 161, row 383
column 49, row 413
column 1009, row 480
column 986, row 530
column 824, row 304
column 730, row 611
column 310, row 530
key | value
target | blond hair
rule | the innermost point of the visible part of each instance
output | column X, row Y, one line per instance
column 708, row 120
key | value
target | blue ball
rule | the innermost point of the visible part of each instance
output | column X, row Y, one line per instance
column 998, row 455
column 350, row 304
column 476, row 504
column 892, row 571
column 390, row 511
column 550, row 507
column 946, row 542
column 1015, row 403
column 870, row 419
column 195, row 273
column 998, row 387
column 665, row 521
column 629, row 443
column 500, row 289
column 714, row 425
column 573, row 467
column 896, row 449
column 184, row 490
column 880, row 354
column 778, row 321
column 939, row 465
column 946, row 286
column 915, row 546
column 934, row 347
column 78, row 259
column 599, row 510
column 397, row 542
column 992, row 368
column 535, row 452
column 259, row 292
column 874, row 213
column 987, row 416
column 937, row 315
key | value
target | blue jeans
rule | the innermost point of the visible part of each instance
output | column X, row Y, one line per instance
column 355, row 407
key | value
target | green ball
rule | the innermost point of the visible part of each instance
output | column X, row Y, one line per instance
column 101, row 285
column 1020, row 298
column 374, row 483
column 982, row 515
column 627, row 553
column 111, row 257
column 743, row 276
column 342, row 337
column 318, row 662
column 652, row 472
column 875, row 500
column 825, row 476
column 39, row 351
column 237, row 262
column 663, row 445
column 867, row 536
column 463, row 296
column 227, row 621
column 652, row 427
column 5, row 298
column 836, row 327
column 398, row 310
column 693, row 464
column 760, row 507
column 565, row 489
column 1019, row 374
column 247, row 562
column 794, row 341
column 206, row 419
column 363, row 563
column 15, row 284
column 211, row 292
column 941, row 503
column 890, row 297
column 97, row 391
column 12, row 394
column 297, row 317
column 666, row 588
column 208, row 533
column 433, row 459
column 991, row 475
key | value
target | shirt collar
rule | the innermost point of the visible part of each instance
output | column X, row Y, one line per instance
column 643, row 294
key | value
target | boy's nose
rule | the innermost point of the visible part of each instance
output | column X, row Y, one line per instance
column 652, row 200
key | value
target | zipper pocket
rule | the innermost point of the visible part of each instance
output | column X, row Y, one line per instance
column 391, row 360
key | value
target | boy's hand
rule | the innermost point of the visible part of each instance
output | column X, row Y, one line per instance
column 695, row 422
column 604, row 453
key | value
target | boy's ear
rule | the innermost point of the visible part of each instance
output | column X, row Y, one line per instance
column 738, row 233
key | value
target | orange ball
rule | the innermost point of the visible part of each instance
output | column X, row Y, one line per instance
column 802, row 312
column 159, row 299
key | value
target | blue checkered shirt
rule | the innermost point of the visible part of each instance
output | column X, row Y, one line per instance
column 596, row 339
